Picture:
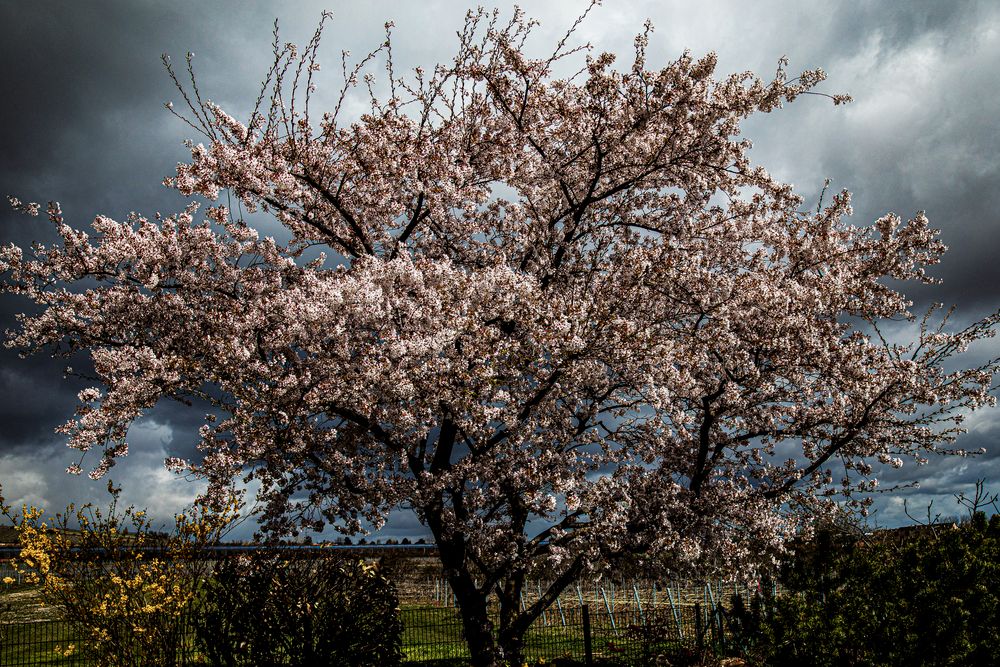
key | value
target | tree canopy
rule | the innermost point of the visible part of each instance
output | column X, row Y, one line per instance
column 564, row 320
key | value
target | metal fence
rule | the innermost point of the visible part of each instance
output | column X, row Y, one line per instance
column 38, row 643
column 57, row 643
column 632, row 630
column 627, row 622
column 433, row 633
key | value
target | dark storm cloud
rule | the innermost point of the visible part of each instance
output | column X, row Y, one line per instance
column 81, row 122
column 33, row 400
column 81, row 102
column 921, row 134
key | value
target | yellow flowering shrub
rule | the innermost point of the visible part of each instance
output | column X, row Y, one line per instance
column 123, row 585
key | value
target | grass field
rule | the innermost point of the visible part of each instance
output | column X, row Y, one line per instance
column 435, row 634
column 35, row 644
column 432, row 635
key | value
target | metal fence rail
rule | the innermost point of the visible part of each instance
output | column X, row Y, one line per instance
column 39, row 643
column 58, row 643
column 434, row 633
column 628, row 635
column 627, row 622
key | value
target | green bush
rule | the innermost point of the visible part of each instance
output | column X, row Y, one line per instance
column 930, row 599
column 264, row 610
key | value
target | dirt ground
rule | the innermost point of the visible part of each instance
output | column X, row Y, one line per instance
column 419, row 582
column 25, row 606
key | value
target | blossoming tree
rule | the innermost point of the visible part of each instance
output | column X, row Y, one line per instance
column 564, row 320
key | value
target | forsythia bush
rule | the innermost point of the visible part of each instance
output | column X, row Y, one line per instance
column 308, row 611
column 123, row 586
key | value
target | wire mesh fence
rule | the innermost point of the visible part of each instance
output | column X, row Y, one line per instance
column 39, row 643
column 625, row 634
column 430, row 634
column 59, row 643
column 433, row 633
column 627, row 622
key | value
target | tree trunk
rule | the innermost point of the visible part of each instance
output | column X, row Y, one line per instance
column 511, row 642
column 512, row 648
column 472, row 604
column 471, row 601
column 479, row 633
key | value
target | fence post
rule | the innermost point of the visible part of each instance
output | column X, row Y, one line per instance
column 610, row 610
column 638, row 602
column 545, row 619
column 713, row 613
column 699, row 637
column 588, row 647
column 673, row 608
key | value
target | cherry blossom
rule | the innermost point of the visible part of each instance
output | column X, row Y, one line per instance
column 564, row 320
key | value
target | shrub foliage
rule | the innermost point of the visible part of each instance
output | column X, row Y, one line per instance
column 124, row 587
column 932, row 598
column 306, row 611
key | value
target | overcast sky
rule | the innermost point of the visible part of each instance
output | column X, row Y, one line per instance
column 82, row 122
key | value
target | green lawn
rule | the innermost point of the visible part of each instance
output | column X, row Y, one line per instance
column 431, row 636
column 35, row 644
column 434, row 633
